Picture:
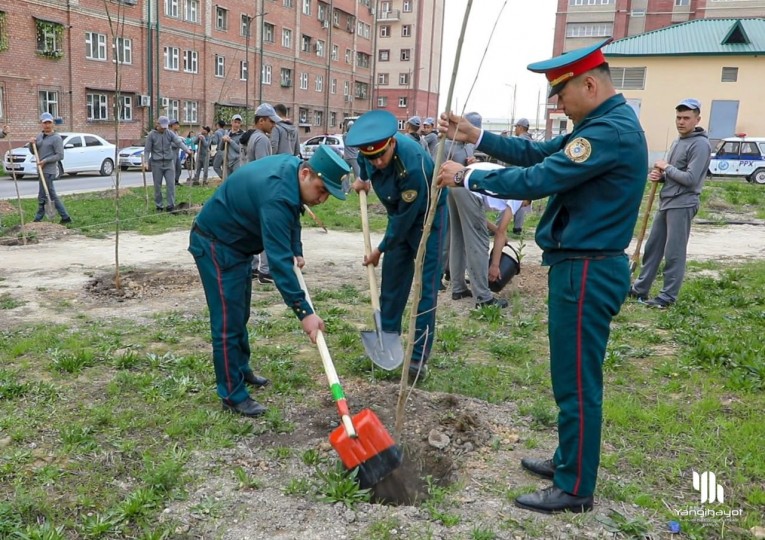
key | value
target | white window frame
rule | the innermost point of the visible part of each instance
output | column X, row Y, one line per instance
column 268, row 32
column 630, row 78
column 287, row 38
column 173, row 108
column 335, row 52
column 95, row 46
column 403, row 79
column 123, row 50
column 383, row 55
column 383, row 79
column 407, row 6
column 190, row 112
column 332, row 119
column 243, row 70
column 382, row 101
column 220, row 65
column 221, row 18
column 306, row 7
column 333, row 86
column 126, row 108
column 318, row 118
column 346, row 88
column 347, row 56
column 172, row 58
column 304, row 81
column 245, row 25
column 285, row 77
column 402, row 101
column 406, row 30
column 385, row 31
column 406, row 55
column 172, row 9
column 319, row 85
column 191, row 11
column 48, row 101
column 320, row 47
column 265, row 74
column 191, row 61
column 98, row 107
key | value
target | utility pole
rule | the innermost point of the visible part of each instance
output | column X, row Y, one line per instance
column 247, row 76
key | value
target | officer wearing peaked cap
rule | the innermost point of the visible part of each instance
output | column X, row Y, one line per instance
column 401, row 171
column 256, row 208
column 594, row 178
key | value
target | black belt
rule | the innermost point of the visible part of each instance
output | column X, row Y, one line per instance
column 195, row 228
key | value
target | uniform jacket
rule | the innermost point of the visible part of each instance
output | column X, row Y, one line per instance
column 284, row 139
column 163, row 146
column 259, row 145
column 215, row 140
column 431, row 139
column 258, row 208
column 50, row 148
column 594, row 176
column 689, row 160
column 203, row 144
column 234, row 149
column 404, row 189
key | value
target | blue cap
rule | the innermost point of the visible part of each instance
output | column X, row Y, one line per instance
column 429, row 121
column 330, row 168
column 523, row 122
column 265, row 109
column 236, row 117
column 163, row 122
column 563, row 68
column 372, row 127
column 173, row 121
column 46, row 117
column 415, row 121
column 691, row 103
column 474, row 118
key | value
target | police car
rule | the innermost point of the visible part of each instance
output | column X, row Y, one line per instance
column 740, row 156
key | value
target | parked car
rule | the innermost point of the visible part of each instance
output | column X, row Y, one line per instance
column 334, row 141
column 83, row 152
column 740, row 156
column 130, row 156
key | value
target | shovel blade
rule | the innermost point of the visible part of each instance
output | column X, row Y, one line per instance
column 383, row 348
column 50, row 210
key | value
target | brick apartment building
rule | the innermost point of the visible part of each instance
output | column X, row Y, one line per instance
column 190, row 60
column 582, row 22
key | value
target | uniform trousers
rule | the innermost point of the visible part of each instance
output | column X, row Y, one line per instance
column 163, row 169
column 584, row 295
column 469, row 244
column 397, row 276
column 227, row 282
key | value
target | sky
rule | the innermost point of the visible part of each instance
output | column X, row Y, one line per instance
column 523, row 35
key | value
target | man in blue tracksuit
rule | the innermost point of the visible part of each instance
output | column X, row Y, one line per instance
column 256, row 208
column 401, row 171
column 594, row 178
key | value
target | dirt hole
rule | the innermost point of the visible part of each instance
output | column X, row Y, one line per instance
column 142, row 284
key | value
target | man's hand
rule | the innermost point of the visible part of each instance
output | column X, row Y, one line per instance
column 446, row 173
column 373, row 258
column 661, row 165
column 226, row 138
column 457, row 128
column 33, row 140
column 655, row 175
column 359, row 184
column 311, row 326
column 299, row 261
column 494, row 274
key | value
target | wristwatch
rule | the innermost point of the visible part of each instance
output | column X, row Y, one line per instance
column 459, row 178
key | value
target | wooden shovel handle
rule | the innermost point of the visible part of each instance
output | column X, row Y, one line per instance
column 644, row 224
column 368, row 250
column 40, row 172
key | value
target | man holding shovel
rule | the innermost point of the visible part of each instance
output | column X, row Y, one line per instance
column 50, row 149
column 400, row 171
column 595, row 177
column 256, row 208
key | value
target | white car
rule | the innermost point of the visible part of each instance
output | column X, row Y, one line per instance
column 83, row 152
column 131, row 156
column 740, row 156
column 334, row 141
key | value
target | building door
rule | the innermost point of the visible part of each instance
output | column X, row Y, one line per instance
column 722, row 119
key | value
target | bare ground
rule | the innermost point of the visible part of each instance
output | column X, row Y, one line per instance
column 66, row 274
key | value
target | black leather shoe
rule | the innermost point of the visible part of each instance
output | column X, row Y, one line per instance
column 554, row 500
column 461, row 295
column 248, row 407
column 543, row 467
column 418, row 373
column 255, row 380
column 499, row 302
column 636, row 295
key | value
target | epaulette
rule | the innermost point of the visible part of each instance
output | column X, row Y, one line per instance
column 400, row 169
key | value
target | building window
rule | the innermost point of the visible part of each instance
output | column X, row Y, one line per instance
column 402, row 101
column 268, row 32
column 332, row 119
column 123, row 50
column 244, row 27
column 682, row 2
column 98, row 108
column 382, row 79
column 95, row 46
column 190, row 112
column 336, row 18
column 383, row 55
column 243, row 68
column 304, row 81
column 49, row 38
column 406, row 30
column 403, row 79
column 363, row 29
column 221, row 18
column 319, row 83
column 171, row 8
column 285, row 78
column 172, row 55
column 335, row 52
column 302, row 115
column 382, row 101
column 385, row 30
column 320, row 48
column 286, row 38
column 321, row 12
column 362, row 90
column 126, row 108
column 628, row 78
column 318, row 118
column 306, row 7
column 190, row 61
column 220, row 65
column 729, row 74
column 589, row 30
column 265, row 74
column 49, row 102
column 287, row 3
column 2, row 104
column 406, row 55
column 333, row 86
column 347, row 56
column 173, row 107
column 305, row 43
column 407, row 7
column 362, row 59
column 191, row 11
column 346, row 88
column 385, row 6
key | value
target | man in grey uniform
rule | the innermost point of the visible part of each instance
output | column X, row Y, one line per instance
column 284, row 136
column 161, row 149
column 429, row 136
column 50, row 148
column 522, row 131
column 683, row 176
column 216, row 141
column 231, row 140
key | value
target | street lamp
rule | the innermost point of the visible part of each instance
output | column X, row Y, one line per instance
column 247, row 78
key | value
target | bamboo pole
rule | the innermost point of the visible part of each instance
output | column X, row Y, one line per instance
column 18, row 196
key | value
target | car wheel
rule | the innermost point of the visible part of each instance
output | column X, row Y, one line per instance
column 107, row 167
column 60, row 170
column 758, row 176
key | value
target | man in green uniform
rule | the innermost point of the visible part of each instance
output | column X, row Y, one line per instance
column 401, row 172
column 594, row 178
column 257, row 208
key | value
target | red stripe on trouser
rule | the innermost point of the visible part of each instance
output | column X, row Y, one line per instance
column 225, row 316
column 579, row 317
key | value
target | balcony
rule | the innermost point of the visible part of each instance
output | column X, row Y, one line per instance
column 392, row 15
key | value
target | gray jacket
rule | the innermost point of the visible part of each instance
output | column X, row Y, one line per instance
column 203, row 145
column 284, row 139
column 50, row 148
column 163, row 146
column 431, row 139
column 688, row 161
column 215, row 140
column 259, row 145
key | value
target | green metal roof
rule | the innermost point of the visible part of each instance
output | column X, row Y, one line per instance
column 697, row 37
